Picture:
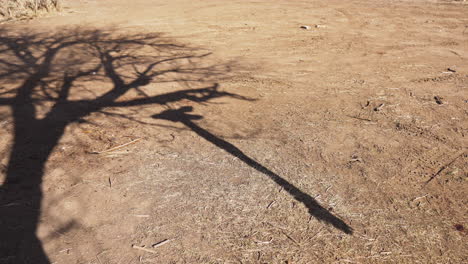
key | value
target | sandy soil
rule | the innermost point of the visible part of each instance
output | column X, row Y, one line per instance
column 254, row 141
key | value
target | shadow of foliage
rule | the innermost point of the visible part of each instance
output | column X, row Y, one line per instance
column 52, row 80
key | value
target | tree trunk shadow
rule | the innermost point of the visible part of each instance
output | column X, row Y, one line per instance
column 56, row 67
column 52, row 68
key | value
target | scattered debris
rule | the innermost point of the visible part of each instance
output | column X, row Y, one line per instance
column 10, row 204
column 436, row 79
column 264, row 242
column 115, row 148
column 452, row 69
column 355, row 159
column 141, row 215
column 160, row 243
column 459, row 227
column 113, row 154
column 366, row 105
column 446, row 166
column 420, row 197
column 67, row 251
column 360, row 118
column 97, row 257
column 306, row 27
column 270, row 204
column 379, row 107
column 453, row 172
column 289, row 237
column 438, row 100
column 144, row 249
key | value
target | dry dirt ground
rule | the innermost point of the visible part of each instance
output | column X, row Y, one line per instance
column 253, row 140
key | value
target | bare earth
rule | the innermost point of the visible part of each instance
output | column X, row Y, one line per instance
column 253, row 140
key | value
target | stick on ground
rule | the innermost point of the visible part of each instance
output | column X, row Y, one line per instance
column 161, row 243
column 144, row 249
column 115, row 148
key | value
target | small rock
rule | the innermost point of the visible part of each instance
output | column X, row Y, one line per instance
column 319, row 26
column 306, row 27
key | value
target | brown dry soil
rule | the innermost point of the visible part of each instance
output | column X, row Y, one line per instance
column 257, row 141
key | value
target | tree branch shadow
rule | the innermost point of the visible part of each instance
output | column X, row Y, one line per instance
column 70, row 74
column 64, row 77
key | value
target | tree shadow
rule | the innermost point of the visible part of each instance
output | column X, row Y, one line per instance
column 64, row 77
column 70, row 74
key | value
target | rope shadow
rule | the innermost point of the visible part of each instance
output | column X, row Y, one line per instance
column 315, row 209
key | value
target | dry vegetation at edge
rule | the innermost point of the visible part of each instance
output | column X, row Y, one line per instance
column 23, row 9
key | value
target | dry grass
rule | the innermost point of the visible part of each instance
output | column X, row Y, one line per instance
column 24, row 9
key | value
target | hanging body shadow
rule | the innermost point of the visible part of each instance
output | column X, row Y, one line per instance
column 51, row 67
column 315, row 209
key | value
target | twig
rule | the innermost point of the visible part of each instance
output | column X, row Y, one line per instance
column 165, row 241
column 264, row 242
column 360, row 118
column 420, row 197
column 144, row 249
column 290, row 238
column 115, row 148
column 445, row 166
column 10, row 204
column 270, row 204
column 65, row 250
column 379, row 107
column 141, row 215
column 367, row 104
